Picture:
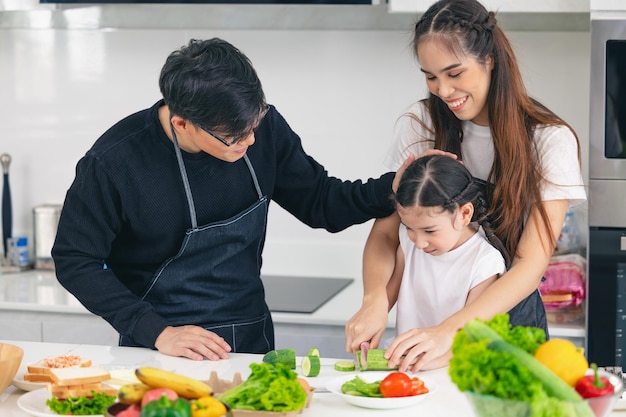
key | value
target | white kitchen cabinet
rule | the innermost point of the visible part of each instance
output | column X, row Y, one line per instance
column 36, row 326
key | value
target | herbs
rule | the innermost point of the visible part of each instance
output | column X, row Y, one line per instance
column 268, row 388
column 82, row 406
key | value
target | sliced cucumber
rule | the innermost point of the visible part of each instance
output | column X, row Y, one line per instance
column 311, row 365
column 314, row 352
column 345, row 366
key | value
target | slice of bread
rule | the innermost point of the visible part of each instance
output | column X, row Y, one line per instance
column 84, row 390
column 37, row 378
column 79, row 375
column 64, row 361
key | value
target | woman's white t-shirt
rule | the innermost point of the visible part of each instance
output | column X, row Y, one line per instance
column 556, row 147
column 435, row 287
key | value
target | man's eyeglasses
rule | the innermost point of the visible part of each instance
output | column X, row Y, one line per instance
column 236, row 139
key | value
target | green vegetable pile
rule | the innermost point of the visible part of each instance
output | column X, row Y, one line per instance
column 360, row 388
column 82, row 406
column 268, row 388
column 494, row 359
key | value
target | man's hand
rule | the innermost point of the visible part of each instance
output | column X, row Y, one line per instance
column 192, row 342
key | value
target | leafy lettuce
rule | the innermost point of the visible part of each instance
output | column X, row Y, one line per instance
column 268, row 388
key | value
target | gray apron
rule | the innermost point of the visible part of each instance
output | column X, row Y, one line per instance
column 214, row 279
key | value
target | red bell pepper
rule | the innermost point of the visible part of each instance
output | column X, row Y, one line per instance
column 590, row 386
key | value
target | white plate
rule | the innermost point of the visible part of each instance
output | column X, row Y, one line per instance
column 19, row 382
column 334, row 386
column 34, row 403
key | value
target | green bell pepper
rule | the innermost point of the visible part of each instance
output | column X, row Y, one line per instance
column 164, row 407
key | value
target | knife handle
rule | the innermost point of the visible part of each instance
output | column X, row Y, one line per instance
column 7, row 216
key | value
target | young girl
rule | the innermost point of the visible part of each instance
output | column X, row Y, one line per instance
column 445, row 258
column 479, row 111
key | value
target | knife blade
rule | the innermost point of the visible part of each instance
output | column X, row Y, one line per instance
column 7, row 216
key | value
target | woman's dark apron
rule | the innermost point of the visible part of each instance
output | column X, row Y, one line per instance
column 214, row 280
column 530, row 311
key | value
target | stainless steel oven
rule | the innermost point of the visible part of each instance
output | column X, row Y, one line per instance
column 606, row 275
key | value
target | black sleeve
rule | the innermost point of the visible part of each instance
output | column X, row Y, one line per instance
column 89, row 222
column 305, row 189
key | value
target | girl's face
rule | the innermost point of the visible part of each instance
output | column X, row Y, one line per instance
column 459, row 80
column 435, row 231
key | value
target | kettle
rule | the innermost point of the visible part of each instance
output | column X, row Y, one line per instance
column 45, row 220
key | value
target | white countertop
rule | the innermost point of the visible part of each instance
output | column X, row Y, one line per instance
column 445, row 400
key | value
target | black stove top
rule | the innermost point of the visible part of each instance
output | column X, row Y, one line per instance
column 288, row 294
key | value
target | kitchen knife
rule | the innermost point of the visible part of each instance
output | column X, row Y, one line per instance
column 7, row 217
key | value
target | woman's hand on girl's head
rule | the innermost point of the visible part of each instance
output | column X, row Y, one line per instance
column 411, row 158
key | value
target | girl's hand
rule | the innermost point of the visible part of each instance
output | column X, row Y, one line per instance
column 427, row 348
column 410, row 159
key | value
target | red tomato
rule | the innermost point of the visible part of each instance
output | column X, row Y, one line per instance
column 133, row 410
column 156, row 393
column 396, row 384
column 417, row 386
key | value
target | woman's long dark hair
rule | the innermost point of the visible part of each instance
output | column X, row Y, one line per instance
column 466, row 27
column 440, row 181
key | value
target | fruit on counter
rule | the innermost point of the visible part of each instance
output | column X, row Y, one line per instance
column 184, row 386
column 207, row 406
column 399, row 384
column 132, row 393
column 591, row 386
column 493, row 358
column 564, row 359
column 311, row 365
column 286, row 356
column 164, row 407
column 133, row 410
column 374, row 361
column 345, row 366
column 268, row 388
column 156, row 393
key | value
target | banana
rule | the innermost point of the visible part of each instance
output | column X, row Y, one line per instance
column 184, row 386
column 132, row 393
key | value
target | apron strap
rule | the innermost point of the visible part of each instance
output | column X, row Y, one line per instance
column 253, row 173
column 183, row 174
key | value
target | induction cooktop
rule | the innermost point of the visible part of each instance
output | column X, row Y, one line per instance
column 290, row 294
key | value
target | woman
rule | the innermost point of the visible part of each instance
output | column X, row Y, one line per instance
column 529, row 158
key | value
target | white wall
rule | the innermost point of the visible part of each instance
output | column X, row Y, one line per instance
column 340, row 90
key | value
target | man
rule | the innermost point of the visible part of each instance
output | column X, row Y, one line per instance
column 163, row 228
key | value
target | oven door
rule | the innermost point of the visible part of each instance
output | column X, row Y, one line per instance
column 607, row 123
column 606, row 297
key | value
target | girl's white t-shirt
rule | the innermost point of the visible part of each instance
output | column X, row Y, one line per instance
column 435, row 287
column 556, row 147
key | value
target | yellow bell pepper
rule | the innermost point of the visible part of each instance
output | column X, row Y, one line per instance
column 208, row 407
